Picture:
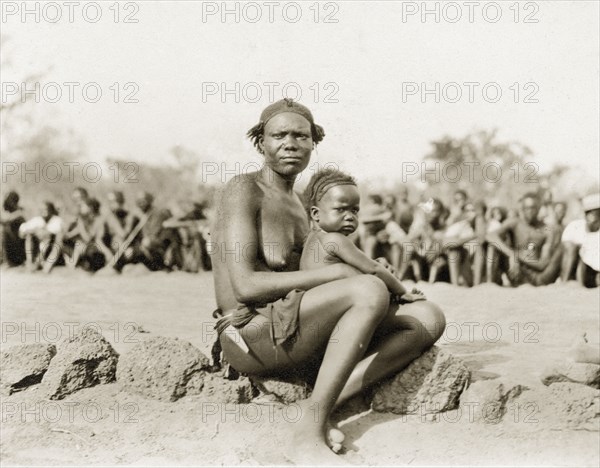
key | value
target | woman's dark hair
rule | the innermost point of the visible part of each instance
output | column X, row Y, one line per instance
column 258, row 131
column 322, row 181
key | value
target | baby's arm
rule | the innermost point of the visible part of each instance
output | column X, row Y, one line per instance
column 340, row 246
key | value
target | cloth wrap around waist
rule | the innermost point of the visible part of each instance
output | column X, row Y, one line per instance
column 282, row 315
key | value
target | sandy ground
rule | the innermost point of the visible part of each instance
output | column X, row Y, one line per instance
column 503, row 332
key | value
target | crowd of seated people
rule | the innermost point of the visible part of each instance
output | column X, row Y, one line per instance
column 468, row 243
column 465, row 243
column 95, row 237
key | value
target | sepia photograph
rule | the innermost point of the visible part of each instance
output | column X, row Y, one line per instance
column 300, row 233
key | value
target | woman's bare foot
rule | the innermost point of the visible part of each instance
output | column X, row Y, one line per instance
column 335, row 437
column 583, row 352
column 308, row 445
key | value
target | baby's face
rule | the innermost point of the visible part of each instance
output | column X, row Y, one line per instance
column 338, row 210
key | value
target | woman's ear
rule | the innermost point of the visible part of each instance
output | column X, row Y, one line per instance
column 314, row 214
column 261, row 147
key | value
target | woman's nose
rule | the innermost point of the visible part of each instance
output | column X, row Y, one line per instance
column 289, row 141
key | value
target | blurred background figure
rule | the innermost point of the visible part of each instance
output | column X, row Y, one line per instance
column 581, row 243
column 153, row 245
column 43, row 238
column 83, row 243
column 12, row 249
column 193, row 232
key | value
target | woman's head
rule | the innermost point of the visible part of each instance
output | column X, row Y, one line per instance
column 332, row 201
column 286, row 135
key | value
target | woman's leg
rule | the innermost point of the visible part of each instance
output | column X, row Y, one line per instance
column 405, row 334
column 341, row 315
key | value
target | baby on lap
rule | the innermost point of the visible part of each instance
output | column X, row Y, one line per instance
column 332, row 201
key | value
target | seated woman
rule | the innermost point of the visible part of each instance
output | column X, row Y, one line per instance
column 43, row 238
column 279, row 320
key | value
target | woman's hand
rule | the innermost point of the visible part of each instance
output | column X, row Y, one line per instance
column 412, row 296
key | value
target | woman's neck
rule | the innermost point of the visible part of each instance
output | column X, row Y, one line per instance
column 269, row 177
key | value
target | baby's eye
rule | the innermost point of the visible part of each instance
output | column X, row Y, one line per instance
column 355, row 210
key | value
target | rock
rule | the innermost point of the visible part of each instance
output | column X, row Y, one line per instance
column 432, row 383
column 284, row 391
column 573, row 406
column 575, row 372
column 488, row 400
column 82, row 360
column 24, row 365
column 216, row 389
column 160, row 368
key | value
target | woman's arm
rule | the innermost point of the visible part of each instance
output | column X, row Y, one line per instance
column 346, row 251
column 240, row 205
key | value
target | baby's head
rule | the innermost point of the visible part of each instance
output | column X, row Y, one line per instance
column 332, row 201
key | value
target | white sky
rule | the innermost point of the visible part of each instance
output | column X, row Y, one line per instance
column 368, row 54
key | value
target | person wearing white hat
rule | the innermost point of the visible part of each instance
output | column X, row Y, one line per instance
column 581, row 244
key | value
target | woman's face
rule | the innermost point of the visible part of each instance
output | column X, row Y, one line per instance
column 287, row 143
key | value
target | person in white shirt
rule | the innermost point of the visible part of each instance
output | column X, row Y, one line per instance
column 581, row 243
column 43, row 238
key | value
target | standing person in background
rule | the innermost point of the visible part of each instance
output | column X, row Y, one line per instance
column 580, row 240
column 11, row 218
column 43, row 238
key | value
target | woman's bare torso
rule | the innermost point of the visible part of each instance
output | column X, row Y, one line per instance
column 281, row 226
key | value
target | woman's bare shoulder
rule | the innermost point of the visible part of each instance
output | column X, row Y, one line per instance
column 242, row 189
